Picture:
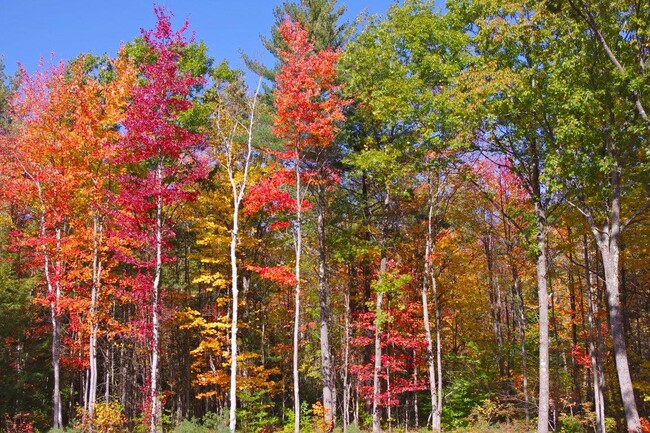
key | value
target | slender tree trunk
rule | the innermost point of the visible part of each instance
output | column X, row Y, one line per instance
column 594, row 347
column 296, row 318
column 389, row 412
column 543, row 401
column 235, row 307
column 376, row 384
column 329, row 391
column 55, row 288
column 575, row 371
column 557, row 353
column 436, row 413
column 428, row 276
column 110, row 365
column 156, row 409
column 56, row 356
column 92, row 344
column 54, row 292
column 522, row 341
column 416, row 414
column 519, row 311
column 494, row 300
column 238, row 191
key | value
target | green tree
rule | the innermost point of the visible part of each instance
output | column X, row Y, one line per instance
column 320, row 18
column 601, row 153
column 506, row 90
column 400, row 70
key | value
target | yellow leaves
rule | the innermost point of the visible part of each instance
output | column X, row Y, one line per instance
column 192, row 319
column 212, row 280
column 109, row 418
column 212, row 360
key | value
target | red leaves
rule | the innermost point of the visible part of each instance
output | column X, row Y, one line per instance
column 308, row 110
column 582, row 357
column 307, row 100
column 273, row 195
column 402, row 352
column 281, row 274
column 645, row 425
column 158, row 152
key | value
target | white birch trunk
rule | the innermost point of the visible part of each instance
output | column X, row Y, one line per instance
column 376, row 385
column 296, row 319
column 155, row 408
column 543, row 401
column 238, row 190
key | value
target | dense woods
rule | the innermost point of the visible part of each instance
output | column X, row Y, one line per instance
column 431, row 220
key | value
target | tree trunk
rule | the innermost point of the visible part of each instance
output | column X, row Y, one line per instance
column 233, row 324
column 610, row 254
column 521, row 307
column 54, row 288
column 296, row 318
column 428, row 276
column 542, row 294
column 575, row 371
column 608, row 238
column 329, row 392
column 156, row 410
column 595, row 343
column 238, row 191
column 92, row 344
column 346, row 362
column 416, row 414
column 376, row 385
column 436, row 413
column 56, row 356
column 494, row 300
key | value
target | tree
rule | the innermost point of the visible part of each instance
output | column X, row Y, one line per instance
column 514, row 125
column 39, row 155
column 610, row 192
column 401, row 70
column 620, row 28
column 308, row 109
column 234, row 120
column 319, row 17
column 161, row 153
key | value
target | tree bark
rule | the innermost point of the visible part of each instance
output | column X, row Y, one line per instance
column 428, row 277
column 575, row 371
column 232, row 423
column 376, row 385
column 54, row 287
column 238, row 191
column 595, row 344
column 92, row 344
column 436, row 413
column 329, row 391
column 542, row 294
column 156, row 410
column 610, row 254
column 521, row 307
column 346, row 363
column 608, row 237
column 296, row 318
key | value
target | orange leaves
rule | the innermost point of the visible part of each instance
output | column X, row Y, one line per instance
column 307, row 98
column 281, row 274
column 582, row 357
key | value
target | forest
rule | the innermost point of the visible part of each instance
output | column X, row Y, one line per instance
column 432, row 220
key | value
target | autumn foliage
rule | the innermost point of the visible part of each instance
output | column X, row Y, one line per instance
column 372, row 241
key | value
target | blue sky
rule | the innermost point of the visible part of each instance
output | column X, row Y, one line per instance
column 32, row 29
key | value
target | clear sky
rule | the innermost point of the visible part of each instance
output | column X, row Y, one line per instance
column 32, row 29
